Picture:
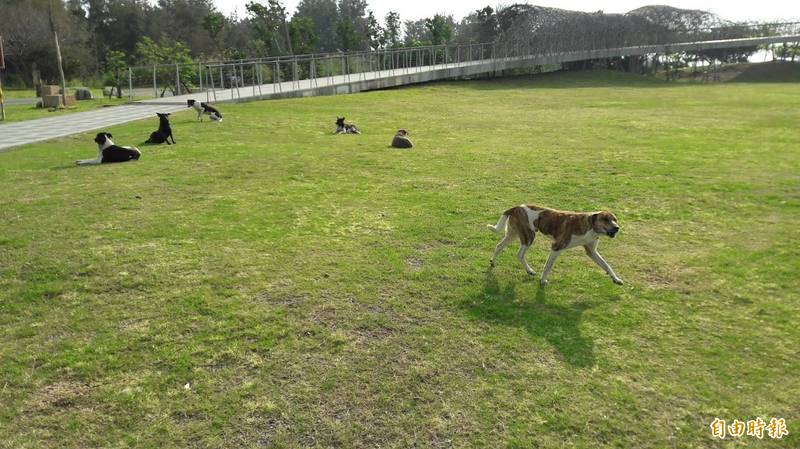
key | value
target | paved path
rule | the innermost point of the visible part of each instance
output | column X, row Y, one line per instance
column 14, row 134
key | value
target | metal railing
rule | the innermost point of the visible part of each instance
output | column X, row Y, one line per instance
column 247, row 77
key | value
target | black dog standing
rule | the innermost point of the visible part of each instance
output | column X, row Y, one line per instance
column 164, row 132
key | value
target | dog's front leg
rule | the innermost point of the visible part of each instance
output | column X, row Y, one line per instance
column 548, row 266
column 591, row 251
column 521, row 256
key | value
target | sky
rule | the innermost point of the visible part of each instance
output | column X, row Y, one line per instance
column 737, row 10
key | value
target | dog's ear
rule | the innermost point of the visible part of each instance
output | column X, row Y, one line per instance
column 594, row 217
column 109, row 135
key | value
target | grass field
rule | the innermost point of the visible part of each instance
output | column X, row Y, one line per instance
column 19, row 93
column 265, row 283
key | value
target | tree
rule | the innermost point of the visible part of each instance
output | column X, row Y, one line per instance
column 353, row 27
column 271, row 26
column 116, row 63
column 25, row 31
column 324, row 16
column 29, row 44
column 485, row 25
column 168, row 52
column 391, row 33
column 480, row 26
column 304, row 39
column 182, row 20
column 58, row 56
column 374, row 32
column 416, row 33
column 214, row 23
column 118, row 24
column 786, row 51
column 348, row 37
column 440, row 28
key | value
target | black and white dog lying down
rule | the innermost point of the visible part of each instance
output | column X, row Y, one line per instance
column 205, row 108
column 108, row 153
column 345, row 128
column 164, row 131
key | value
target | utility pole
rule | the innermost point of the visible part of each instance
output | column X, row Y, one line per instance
column 2, row 67
column 58, row 55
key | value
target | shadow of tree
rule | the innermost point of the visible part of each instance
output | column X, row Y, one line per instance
column 559, row 325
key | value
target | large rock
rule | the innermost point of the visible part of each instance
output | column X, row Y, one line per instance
column 48, row 90
column 82, row 93
column 55, row 101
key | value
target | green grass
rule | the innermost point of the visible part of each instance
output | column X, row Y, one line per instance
column 315, row 290
column 22, row 112
column 19, row 93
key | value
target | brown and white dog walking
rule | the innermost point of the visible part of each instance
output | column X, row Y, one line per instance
column 567, row 229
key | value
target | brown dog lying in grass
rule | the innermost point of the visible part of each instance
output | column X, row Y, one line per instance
column 401, row 140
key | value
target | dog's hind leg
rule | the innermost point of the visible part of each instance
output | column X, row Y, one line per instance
column 501, row 246
column 548, row 266
column 501, row 224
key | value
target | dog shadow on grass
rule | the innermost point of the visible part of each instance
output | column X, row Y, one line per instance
column 558, row 325
column 64, row 167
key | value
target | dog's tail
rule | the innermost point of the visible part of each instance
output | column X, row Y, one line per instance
column 501, row 224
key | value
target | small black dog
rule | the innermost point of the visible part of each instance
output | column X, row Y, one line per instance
column 108, row 153
column 205, row 108
column 345, row 128
column 164, row 132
